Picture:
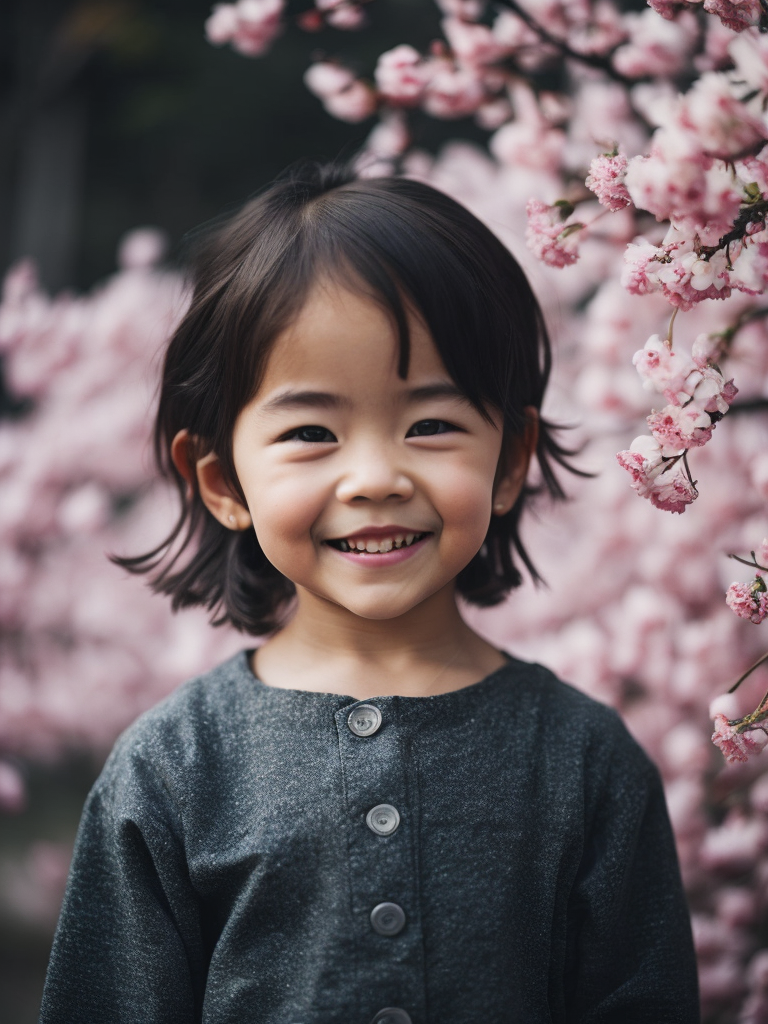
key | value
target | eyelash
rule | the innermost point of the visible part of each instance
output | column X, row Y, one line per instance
column 443, row 427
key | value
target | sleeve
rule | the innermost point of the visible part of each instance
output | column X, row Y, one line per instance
column 630, row 937
column 128, row 944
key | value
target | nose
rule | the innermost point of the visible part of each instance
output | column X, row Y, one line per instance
column 374, row 471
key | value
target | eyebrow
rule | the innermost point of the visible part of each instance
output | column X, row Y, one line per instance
column 327, row 400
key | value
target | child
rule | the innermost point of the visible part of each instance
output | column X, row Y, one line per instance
column 376, row 817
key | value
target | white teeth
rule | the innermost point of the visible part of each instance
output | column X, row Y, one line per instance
column 378, row 547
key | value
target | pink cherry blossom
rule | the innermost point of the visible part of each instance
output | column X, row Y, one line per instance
column 402, row 75
column 452, row 91
column 736, row 15
column 472, row 44
column 662, row 369
column 606, row 179
column 347, row 17
column 553, row 240
column 325, row 79
column 735, row 745
column 644, row 462
column 656, row 46
column 355, row 103
column 678, row 427
column 723, row 125
column 251, row 26
column 749, row 53
column 672, row 492
column 748, row 600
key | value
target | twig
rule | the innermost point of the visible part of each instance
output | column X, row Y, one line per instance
column 749, row 672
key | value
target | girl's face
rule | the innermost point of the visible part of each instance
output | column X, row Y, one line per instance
column 366, row 490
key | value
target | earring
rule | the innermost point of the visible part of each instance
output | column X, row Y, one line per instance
column 231, row 518
column 499, row 506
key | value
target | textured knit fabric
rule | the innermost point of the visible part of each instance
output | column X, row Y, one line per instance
column 224, row 871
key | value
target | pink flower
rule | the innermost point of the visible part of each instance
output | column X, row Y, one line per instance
column 347, row 17
column 686, row 278
column 712, row 392
column 673, row 493
column 452, row 92
column 735, row 745
column 735, row 14
column 529, row 143
column 606, row 179
column 656, row 47
column 249, row 25
column 390, row 137
column 471, row 44
column 141, row 249
column 355, row 103
column 748, row 600
column 401, row 75
column 643, row 461
column 680, row 427
column 222, row 24
column 551, row 237
column 723, row 125
column 638, row 273
column 325, row 79
column 662, row 369
column 749, row 52
column 668, row 9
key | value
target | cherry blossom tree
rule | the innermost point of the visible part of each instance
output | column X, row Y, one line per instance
column 626, row 167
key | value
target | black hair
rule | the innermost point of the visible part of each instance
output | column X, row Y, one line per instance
column 406, row 244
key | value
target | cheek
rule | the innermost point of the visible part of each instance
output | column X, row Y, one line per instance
column 464, row 502
column 284, row 507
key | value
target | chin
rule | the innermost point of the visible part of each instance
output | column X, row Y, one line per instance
column 377, row 609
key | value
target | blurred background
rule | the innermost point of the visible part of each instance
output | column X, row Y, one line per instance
column 121, row 129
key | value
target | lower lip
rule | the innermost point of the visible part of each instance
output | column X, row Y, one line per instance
column 385, row 558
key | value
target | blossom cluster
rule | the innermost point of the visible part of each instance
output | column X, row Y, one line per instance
column 252, row 26
column 698, row 396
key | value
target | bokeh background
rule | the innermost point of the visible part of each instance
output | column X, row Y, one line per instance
column 121, row 129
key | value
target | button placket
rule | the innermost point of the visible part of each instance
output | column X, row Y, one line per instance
column 382, row 862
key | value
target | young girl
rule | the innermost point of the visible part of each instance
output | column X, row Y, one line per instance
column 375, row 817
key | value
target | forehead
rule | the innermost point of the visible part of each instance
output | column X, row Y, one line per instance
column 345, row 338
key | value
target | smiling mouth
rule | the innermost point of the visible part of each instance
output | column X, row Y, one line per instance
column 376, row 545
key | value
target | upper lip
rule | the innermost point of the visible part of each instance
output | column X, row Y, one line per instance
column 375, row 532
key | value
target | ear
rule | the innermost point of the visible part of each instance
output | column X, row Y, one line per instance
column 514, row 460
column 217, row 495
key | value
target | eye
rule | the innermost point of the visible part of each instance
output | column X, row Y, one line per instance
column 426, row 428
column 309, row 435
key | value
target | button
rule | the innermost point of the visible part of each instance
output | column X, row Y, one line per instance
column 382, row 819
column 388, row 918
column 364, row 720
column 392, row 1015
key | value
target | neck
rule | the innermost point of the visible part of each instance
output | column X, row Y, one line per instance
column 327, row 648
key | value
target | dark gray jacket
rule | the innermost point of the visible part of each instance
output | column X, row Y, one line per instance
column 225, row 870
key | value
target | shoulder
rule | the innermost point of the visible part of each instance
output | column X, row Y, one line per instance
column 561, row 716
column 182, row 730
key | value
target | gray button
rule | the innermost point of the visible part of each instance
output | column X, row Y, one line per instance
column 382, row 819
column 387, row 918
column 364, row 720
column 391, row 1015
